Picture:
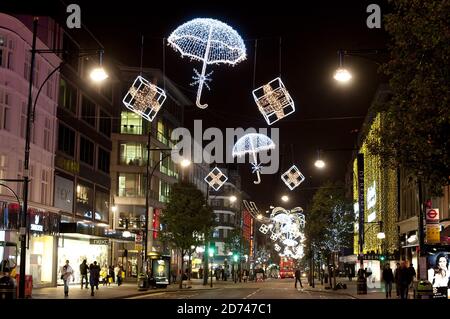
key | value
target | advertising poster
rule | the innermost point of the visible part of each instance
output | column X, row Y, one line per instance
column 438, row 273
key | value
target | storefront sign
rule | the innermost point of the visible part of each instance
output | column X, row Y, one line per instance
column 64, row 194
column 99, row 241
column 432, row 215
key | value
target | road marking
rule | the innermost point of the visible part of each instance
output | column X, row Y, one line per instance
column 147, row 295
column 187, row 296
column 252, row 293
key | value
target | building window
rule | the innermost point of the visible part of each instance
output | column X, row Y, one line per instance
column 130, row 123
column 133, row 154
column 66, row 140
column 3, row 170
column 88, row 111
column 47, row 135
column 86, row 151
column 101, row 206
column 84, row 200
column 67, row 96
column 5, row 112
column 164, row 190
column 50, row 85
column 27, row 66
column 105, row 123
column 216, row 233
column 45, row 187
column 131, row 185
column 103, row 160
column 6, row 52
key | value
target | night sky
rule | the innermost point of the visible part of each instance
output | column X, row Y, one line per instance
column 327, row 115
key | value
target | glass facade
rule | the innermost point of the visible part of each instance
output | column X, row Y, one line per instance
column 132, row 153
column 101, row 206
column 84, row 201
column 130, row 123
column 131, row 185
column 164, row 190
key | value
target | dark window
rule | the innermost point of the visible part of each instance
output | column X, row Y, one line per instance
column 88, row 111
column 86, row 151
column 67, row 96
column 66, row 140
column 103, row 160
column 105, row 123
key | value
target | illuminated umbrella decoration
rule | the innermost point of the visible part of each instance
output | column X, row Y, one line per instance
column 251, row 144
column 209, row 41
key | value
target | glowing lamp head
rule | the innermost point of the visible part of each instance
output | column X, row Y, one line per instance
column 259, row 216
column 98, row 74
column 185, row 162
column 319, row 164
column 233, row 198
column 342, row 75
column 284, row 198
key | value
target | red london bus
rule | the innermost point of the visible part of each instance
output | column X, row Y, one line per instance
column 287, row 267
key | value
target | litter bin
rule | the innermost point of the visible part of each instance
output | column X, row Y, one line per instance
column 361, row 286
column 423, row 290
column 7, row 288
column 142, row 282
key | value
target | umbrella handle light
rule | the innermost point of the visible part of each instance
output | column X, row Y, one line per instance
column 259, row 178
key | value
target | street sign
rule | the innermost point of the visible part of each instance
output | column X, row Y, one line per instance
column 433, row 233
column 99, row 241
column 432, row 215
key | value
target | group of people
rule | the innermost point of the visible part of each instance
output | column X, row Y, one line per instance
column 403, row 277
column 108, row 275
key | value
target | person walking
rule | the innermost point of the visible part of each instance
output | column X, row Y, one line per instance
column 388, row 278
column 397, row 279
column 83, row 272
column 66, row 274
column 111, row 275
column 403, row 280
column 298, row 278
column 94, row 278
column 411, row 276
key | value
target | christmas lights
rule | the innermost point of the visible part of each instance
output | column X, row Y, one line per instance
column 293, row 177
column 144, row 98
column 274, row 101
column 251, row 144
column 209, row 41
column 216, row 178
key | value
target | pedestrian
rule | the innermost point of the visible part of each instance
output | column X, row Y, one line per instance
column 94, row 278
column 298, row 278
column 174, row 275
column 397, row 279
column 404, row 280
column 111, row 275
column 118, row 271
column 83, row 272
column 388, row 278
column 66, row 274
column 104, row 274
column 412, row 275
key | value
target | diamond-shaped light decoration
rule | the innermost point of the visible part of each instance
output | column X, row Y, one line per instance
column 277, row 247
column 293, row 177
column 144, row 98
column 274, row 101
column 216, row 178
column 274, row 237
column 264, row 229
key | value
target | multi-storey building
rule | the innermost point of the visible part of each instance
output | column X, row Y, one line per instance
column 129, row 165
column 15, row 63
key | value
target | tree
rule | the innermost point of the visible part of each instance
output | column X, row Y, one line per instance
column 415, row 133
column 329, row 221
column 187, row 218
column 237, row 245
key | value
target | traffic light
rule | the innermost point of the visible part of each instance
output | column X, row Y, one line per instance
column 382, row 257
column 211, row 249
column 235, row 257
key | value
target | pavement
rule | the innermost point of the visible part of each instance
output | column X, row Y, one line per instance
column 130, row 289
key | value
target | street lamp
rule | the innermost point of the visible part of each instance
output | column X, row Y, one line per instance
column 342, row 75
column 284, row 198
column 185, row 162
column 233, row 198
column 30, row 120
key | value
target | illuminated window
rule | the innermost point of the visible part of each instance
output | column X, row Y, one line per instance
column 130, row 123
column 84, row 201
column 133, row 154
column 131, row 185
